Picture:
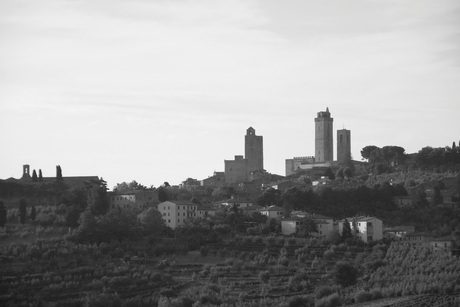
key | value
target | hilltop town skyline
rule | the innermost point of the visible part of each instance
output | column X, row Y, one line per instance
column 162, row 91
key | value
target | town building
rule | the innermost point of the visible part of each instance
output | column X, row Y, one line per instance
column 292, row 224
column 134, row 201
column 71, row 181
column 298, row 163
column 233, row 202
column 239, row 169
column 418, row 237
column 175, row 213
column 273, row 212
column 398, row 233
column 216, row 180
column 441, row 245
column 367, row 228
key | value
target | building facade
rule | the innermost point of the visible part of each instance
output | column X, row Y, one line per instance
column 343, row 145
column 366, row 228
column 175, row 213
column 324, row 147
column 236, row 170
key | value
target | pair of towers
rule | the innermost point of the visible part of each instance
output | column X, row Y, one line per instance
column 324, row 143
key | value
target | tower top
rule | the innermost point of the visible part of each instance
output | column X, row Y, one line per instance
column 324, row 114
column 250, row 131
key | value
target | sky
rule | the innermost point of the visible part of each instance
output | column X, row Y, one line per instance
column 157, row 91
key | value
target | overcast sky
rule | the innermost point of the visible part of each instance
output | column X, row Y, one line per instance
column 158, row 91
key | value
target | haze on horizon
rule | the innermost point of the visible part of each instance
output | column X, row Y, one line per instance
column 158, row 91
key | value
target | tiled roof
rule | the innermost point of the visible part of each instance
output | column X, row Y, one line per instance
column 272, row 208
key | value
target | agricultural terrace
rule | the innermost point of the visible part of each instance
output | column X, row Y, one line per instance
column 45, row 267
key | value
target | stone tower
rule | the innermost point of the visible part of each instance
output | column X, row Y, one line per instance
column 26, row 171
column 343, row 145
column 324, row 147
column 254, row 150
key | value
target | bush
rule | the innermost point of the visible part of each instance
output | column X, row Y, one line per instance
column 325, row 291
column 301, row 301
column 332, row 300
column 363, row 296
column 376, row 294
column 264, row 276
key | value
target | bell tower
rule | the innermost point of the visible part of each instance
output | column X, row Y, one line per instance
column 254, row 150
column 26, row 171
column 324, row 147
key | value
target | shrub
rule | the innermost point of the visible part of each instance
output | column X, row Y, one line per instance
column 264, row 276
column 325, row 291
column 301, row 301
column 376, row 294
column 363, row 296
column 204, row 251
column 332, row 300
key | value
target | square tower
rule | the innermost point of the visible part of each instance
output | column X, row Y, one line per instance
column 324, row 147
column 254, row 150
column 343, row 145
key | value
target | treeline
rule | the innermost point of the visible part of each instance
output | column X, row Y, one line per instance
column 390, row 158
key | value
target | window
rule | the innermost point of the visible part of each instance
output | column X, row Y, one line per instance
column 369, row 224
column 178, row 220
column 164, row 214
column 178, row 214
column 359, row 224
column 169, row 221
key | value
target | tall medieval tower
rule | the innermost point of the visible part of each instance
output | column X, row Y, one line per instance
column 253, row 150
column 343, row 145
column 324, row 147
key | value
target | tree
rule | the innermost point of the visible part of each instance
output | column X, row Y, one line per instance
column 270, row 197
column 72, row 215
column 346, row 230
column 22, row 211
column 58, row 173
column 307, row 226
column 366, row 151
column 33, row 214
column 162, row 194
column 34, row 176
column 40, row 175
column 97, row 200
column 3, row 214
column 345, row 274
column 151, row 222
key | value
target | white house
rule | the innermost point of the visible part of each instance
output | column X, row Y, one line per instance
column 273, row 212
column 132, row 200
column 366, row 228
column 236, row 202
column 175, row 213
column 324, row 224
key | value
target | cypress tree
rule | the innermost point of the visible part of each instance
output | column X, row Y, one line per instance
column 3, row 214
column 33, row 214
column 346, row 230
column 22, row 211
column 34, row 176
column 58, row 173
column 40, row 176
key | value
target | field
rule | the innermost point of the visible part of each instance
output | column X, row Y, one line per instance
column 42, row 267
